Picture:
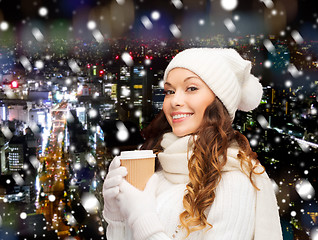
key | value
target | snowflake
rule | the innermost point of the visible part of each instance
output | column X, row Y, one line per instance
column 92, row 113
column 98, row 36
column 35, row 162
column 269, row 46
column 201, row 22
column 38, row 35
column 146, row 22
column 43, row 11
column 18, row 178
column 297, row 37
column 229, row 5
column 262, row 121
column 4, row 26
column 253, row 142
column 305, row 189
column 26, row 63
column 314, row 233
column 91, row 25
column 120, row 2
column 52, row 198
column 155, row 15
column 122, row 133
column 127, row 59
column 90, row 203
column 229, row 25
column 177, row 3
column 23, row 215
column 175, row 31
column 288, row 83
column 74, row 66
column 267, row 64
column 39, row 64
column 70, row 219
column 294, row 71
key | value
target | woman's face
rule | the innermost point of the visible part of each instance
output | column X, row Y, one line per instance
column 187, row 97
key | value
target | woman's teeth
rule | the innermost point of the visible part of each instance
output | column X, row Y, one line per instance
column 178, row 116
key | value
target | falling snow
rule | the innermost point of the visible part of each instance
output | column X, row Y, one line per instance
column 146, row 22
column 4, row 26
column 297, row 37
column 177, row 3
column 74, row 66
column 127, row 59
column 175, row 31
column 25, row 63
column 55, row 46
column 155, row 15
column 122, row 134
column 229, row 25
column 91, row 25
column 38, row 35
column 305, row 189
column 267, row 64
column 43, row 11
column 269, row 46
column 229, row 5
column 98, row 35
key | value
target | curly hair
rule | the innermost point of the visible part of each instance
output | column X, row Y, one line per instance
column 212, row 140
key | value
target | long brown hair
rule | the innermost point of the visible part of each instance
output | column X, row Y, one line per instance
column 213, row 138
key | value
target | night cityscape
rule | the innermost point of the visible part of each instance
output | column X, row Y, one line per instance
column 80, row 79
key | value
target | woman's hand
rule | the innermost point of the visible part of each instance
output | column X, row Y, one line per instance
column 133, row 202
column 111, row 185
column 139, row 208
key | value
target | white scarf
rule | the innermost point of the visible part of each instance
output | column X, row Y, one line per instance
column 174, row 162
column 174, row 158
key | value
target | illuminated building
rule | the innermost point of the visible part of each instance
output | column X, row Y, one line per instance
column 18, row 112
column 134, row 91
column 39, row 116
column 12, row 156
column 158, row 97
column 15, row 158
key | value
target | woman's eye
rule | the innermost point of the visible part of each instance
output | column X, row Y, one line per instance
column 168, row 92
column 191, row 89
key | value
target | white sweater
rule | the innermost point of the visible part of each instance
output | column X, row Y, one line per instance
column 234, row 214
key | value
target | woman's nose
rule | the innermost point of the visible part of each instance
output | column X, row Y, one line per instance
column 178, row 99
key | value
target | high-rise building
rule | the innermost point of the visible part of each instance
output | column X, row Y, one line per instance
column 15, row 157
column 134, row 91
column 12, row 156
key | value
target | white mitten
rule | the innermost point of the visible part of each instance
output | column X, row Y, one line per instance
column 139, row 208
column 113, row 179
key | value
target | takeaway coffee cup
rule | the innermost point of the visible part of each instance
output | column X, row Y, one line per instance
column 140, row 165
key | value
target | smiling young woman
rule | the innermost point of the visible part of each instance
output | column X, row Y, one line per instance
column 187, row 97
column 208, row 182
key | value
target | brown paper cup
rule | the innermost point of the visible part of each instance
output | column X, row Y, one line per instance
column 140, row 166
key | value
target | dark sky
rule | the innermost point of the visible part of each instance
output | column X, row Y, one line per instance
column 254, row 15
column 15, row 10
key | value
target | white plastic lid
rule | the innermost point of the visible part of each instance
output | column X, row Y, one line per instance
column 137, row 154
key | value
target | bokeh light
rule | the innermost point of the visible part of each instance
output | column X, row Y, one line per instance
column 229, row 5
column 43, row 11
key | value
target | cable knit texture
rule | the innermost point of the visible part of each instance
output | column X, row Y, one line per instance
column 239, row 211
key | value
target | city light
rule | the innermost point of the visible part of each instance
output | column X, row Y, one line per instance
column 79, row 80
column 14, row 84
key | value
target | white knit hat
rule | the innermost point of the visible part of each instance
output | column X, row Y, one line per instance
column 225, row 72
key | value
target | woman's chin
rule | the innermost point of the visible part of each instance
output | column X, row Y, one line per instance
column 181, row 133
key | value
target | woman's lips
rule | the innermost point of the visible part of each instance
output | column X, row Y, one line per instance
column 178, row 117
